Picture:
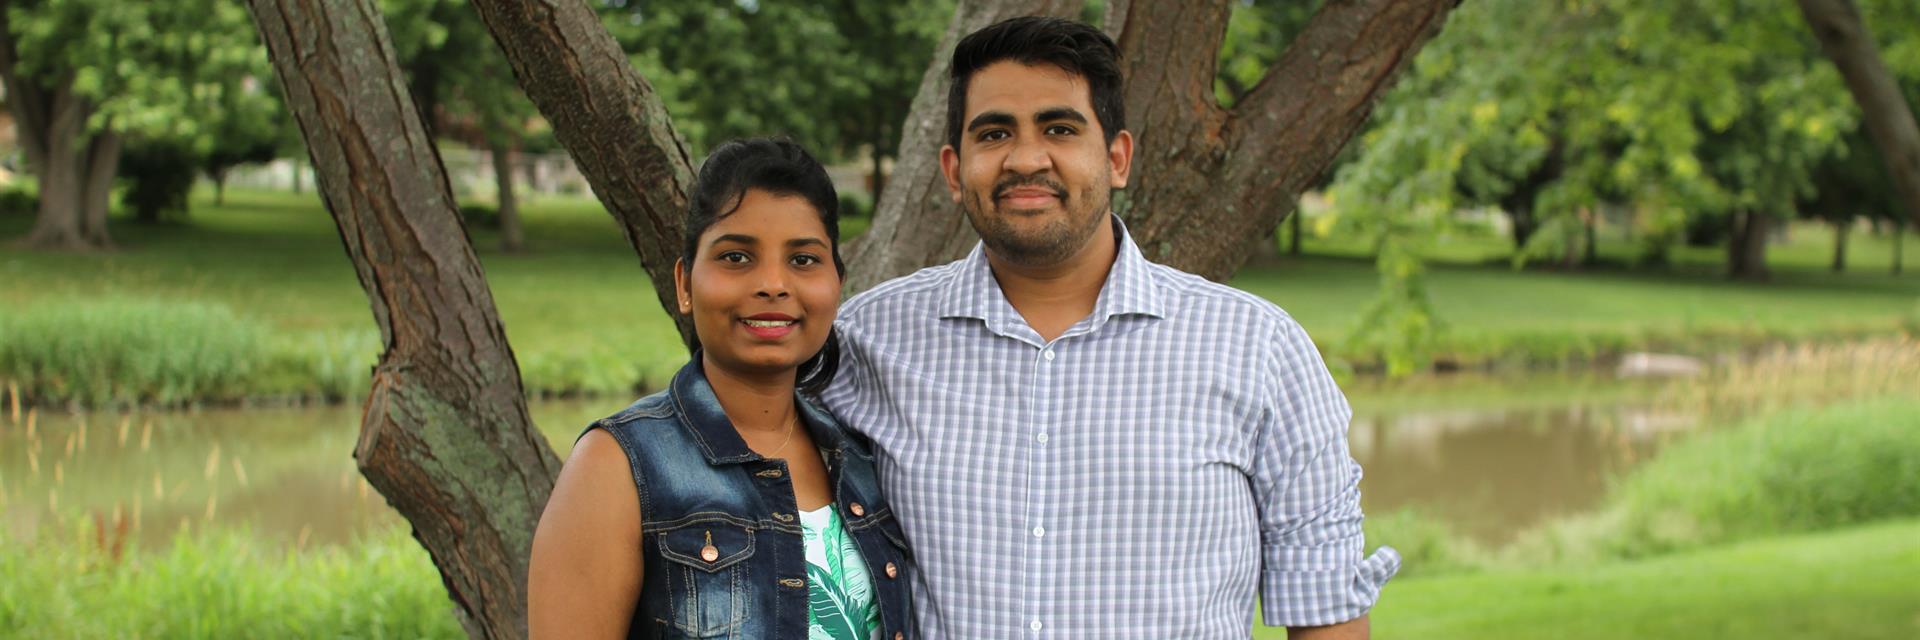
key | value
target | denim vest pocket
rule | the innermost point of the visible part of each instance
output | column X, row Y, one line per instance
column 707, row 594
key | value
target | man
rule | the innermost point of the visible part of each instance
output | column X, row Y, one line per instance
column 1080, row 443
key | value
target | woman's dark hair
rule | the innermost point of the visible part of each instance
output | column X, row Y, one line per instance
column 1033, row 40
column 780, row 167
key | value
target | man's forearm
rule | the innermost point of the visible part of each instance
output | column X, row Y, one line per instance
column 1355, row 629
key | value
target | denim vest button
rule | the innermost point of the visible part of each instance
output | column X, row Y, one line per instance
column 783, row 517
column 857, row 510
column 893, row 571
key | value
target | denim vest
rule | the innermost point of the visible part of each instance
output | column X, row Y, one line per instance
column 719, row 533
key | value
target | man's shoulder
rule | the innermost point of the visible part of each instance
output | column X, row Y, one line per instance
column 1207, row 301
column 918, row 290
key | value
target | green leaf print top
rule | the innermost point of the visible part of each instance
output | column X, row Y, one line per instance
column 839, row 589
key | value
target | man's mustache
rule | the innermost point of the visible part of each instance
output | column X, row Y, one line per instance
column 1001, row 188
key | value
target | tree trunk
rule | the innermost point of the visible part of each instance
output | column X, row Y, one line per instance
column 219, row 188
column 61, row 223
column 511, row 239
column 1890, row 120
column 1591, row 219
column 446, row 436
column 1899, row 234
column 532, row 164
column 609, row 118
column 1840, row 228
column 1293, row 239
column 1747, row 249
column 96, row 189
column 297, row 170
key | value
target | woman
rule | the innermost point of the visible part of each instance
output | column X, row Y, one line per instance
column 727, row 506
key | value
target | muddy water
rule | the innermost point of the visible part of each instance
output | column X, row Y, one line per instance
column 287, row 474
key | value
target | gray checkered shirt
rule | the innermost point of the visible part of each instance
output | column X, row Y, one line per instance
column 1135, row 478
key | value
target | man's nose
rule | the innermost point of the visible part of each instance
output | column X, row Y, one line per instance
column 1028, row 158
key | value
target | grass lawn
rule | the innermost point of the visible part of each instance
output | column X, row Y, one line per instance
column 1855, row 583
column 581, row 315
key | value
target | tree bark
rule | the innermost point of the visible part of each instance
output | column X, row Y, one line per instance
column 1847, row 41
column 61, row 222
column 1899, row 234
column 1293, row 241
column 1203, row 172
column 101, row 164
column 609, row 118
column 915, row 222
column 1840, row 229
column 511, row 238
column 446, row 436
column 1747, row 248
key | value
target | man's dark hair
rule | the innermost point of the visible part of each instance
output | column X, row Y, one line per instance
column 1072, row 46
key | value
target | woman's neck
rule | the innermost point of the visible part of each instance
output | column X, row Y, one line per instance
column 753, row 401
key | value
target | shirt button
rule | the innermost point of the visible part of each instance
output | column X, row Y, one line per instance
column 1042, row 438
column 1048, row 354
column 1035, row 625
column 1039, row 532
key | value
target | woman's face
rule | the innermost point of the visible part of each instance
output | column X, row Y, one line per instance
column 762, row 288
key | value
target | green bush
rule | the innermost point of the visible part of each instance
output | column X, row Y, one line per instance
column 121, row 351
column 19, row 199
column 220, row 585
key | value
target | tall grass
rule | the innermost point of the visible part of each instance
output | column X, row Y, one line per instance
column 128, row 351
column 120, row 351
column 219, row 585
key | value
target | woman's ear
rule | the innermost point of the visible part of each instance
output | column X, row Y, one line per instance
column 682, row 290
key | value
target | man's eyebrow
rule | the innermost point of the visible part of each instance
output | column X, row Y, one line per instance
column 991, row 118
column 1069, row 114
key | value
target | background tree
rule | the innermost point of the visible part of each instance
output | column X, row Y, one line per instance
column 446, row 437
column 83, row 75
column 462, row 86
column 837, row 77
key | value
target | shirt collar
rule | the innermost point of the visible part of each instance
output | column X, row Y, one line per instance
column 974, row 293
column 701, row 414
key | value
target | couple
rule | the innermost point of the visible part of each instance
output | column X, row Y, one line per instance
column 1056, row 438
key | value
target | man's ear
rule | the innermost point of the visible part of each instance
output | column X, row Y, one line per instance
column 682, row 289
column 950, row 167
column 1120, row 157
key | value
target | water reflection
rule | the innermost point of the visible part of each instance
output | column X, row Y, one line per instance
column 1492, row 473
column 288, row 473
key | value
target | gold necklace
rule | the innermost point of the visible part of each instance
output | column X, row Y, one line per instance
column 784, row 441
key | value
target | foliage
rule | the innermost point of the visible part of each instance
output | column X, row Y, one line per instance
column 1670, row 113
column 218, row 584
column 150, row 68
column 21, row 198
column 835, row 77
column 159, row 174
column 125, row 351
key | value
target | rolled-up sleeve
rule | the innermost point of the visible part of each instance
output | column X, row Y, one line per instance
column 1307, row 489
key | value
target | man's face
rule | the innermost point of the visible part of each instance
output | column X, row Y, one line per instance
column 1034, row 171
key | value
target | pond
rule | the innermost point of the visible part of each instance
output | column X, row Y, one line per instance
column 1489, row 457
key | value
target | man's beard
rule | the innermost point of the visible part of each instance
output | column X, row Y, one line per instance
column 1055, row 241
